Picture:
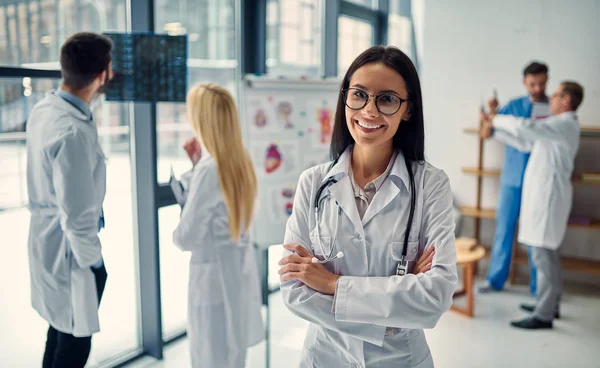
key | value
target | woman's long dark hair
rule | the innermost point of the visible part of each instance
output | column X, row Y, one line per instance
column 410, row 137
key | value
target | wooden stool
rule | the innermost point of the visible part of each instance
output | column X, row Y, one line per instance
column 468, row 253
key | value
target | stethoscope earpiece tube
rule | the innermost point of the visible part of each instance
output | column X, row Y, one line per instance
column 412, row 209
column 317, row 206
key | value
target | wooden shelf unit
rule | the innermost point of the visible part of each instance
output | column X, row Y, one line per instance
column 567, row 263
column 587, row 132
column 495, row 173
column 490, row 213
column 478, row 213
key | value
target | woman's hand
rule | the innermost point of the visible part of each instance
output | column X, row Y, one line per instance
column 193, row 150
column 299, row 267
column 424, row 262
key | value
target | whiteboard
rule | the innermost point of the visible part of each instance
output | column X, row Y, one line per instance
column 287, row 125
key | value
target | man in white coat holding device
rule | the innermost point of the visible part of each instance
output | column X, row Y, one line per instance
column 547, row 190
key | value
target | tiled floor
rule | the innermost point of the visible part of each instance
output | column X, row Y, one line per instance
column 484, row 341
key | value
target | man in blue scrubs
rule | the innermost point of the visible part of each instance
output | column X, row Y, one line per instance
column 534, row 105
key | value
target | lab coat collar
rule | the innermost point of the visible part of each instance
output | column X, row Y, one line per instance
column 567, row 115
column 342, row 167
column 66, row 106
column 80, row 104
column 344, row 195
column 389, row 189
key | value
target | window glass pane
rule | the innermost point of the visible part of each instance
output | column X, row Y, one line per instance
column 354, row 37
column 119, row 309
column 174, row 271
column 366, row 3
column 399, row 33
column 210, row 25
column 32, row 32
column 25, row 344
column 294, row 37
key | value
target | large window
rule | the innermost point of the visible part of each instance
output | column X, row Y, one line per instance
column 24, row 344
column 31, row 34
column 33, row 31
column 294, row 37
column 399, row 31
column 210, row 26
column 354, row 37
column 372, row 4
column 400, row 28
column 118, row 313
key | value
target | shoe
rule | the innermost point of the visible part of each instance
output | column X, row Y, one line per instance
column 532, row 323
column 486, row 288
column 530, row 308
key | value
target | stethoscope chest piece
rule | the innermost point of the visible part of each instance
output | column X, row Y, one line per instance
column 402, row 267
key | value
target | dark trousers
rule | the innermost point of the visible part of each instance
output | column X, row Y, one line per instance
column 65, row 350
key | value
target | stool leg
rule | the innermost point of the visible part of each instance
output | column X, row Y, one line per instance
column 469, row 269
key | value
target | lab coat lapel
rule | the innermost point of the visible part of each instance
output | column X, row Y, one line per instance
column 388, row 191
column 344, row 195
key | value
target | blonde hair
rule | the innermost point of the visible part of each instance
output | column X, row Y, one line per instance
column 214, row 117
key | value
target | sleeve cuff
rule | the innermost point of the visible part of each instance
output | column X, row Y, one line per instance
column 340, row 304
column 98, row 265
column 340, row 301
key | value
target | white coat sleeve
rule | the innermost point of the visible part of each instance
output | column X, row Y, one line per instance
column 302, row 300
column 73, row 179
column 522, row 145
column 193, row 230
column 409, row 301
column 186, row 179
column 551, row 128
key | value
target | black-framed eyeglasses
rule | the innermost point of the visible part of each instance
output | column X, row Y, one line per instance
column 387, row 103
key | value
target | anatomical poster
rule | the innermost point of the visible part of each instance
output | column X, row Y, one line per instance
column 261, row 118
column 280, row 202
column 286, row 112
column 272, row 115
column 319, row 115
column 275, row 157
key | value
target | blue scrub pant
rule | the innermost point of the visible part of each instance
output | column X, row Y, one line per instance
column 507, row 214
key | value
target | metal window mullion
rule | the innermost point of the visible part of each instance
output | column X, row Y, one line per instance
column 329, row 44
column 145, row 212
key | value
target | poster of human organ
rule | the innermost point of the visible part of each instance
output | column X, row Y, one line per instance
column 272, row 115
column 320, row 115
column 275, row 157
column 261, row 117
column 280, row 202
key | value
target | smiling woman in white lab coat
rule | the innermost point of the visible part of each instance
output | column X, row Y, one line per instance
column 348, row 272
column 224, row 289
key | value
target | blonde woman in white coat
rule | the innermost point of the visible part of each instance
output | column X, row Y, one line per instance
column 224, row 289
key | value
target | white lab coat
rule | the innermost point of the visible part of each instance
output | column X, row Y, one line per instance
column 547, row 189
column 375, row 318
column 224, row 297
column 66, row 183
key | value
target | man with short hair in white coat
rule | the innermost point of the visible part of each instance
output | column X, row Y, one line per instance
column 66, row 183
column 547, row 190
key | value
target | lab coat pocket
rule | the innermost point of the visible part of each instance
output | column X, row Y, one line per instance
column 321, row 246
column 411, row 254
column 205, row 285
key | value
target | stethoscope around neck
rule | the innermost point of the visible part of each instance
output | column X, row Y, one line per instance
column 317, row 205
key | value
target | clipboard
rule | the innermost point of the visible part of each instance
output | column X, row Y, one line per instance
column 177, row 188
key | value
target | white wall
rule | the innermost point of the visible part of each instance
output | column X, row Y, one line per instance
column 470, row 47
